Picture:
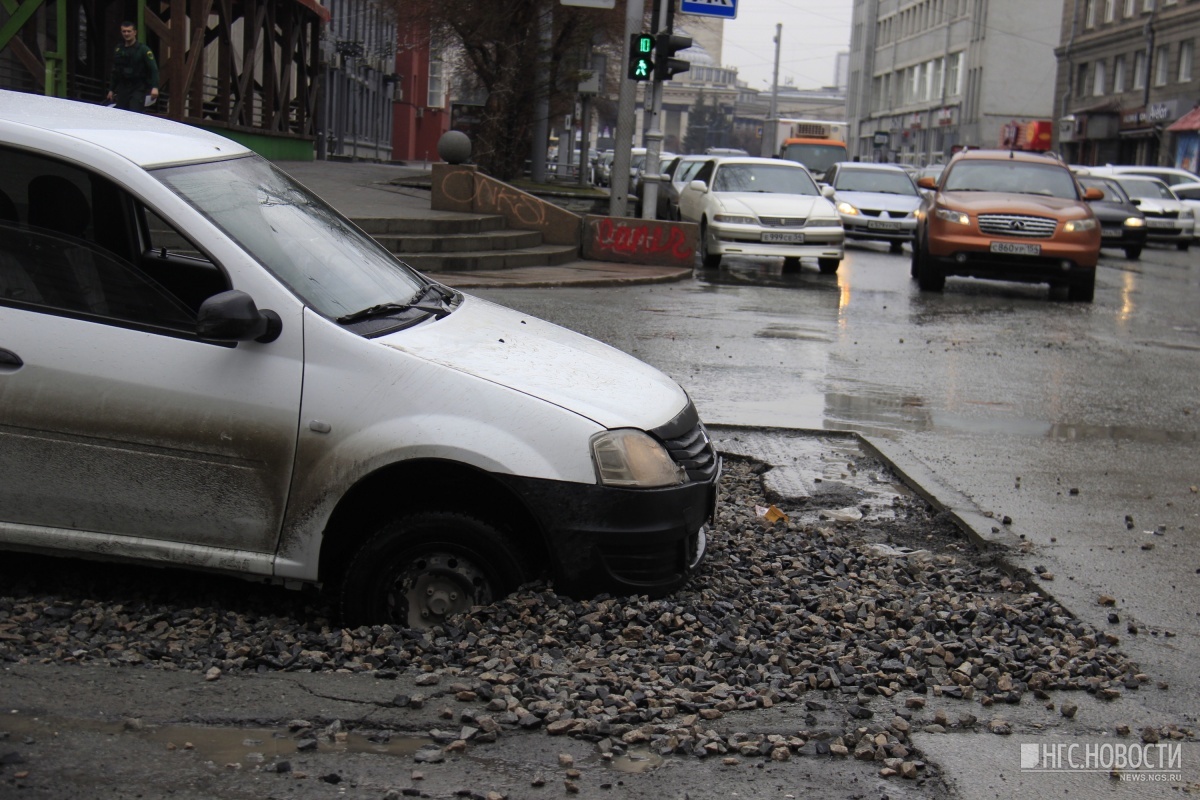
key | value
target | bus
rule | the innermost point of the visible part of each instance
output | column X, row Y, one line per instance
column 815, row 143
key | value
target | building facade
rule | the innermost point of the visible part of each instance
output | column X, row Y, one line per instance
column 1126, row 74
column 928, row 77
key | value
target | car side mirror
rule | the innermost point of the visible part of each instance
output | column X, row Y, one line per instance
column 698, row 186
column 1137, row 201
column 927, row 182
column 1093, row 193
column 233, row 317
column 827, row 191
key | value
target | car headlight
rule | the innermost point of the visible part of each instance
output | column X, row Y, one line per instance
column 1187, row 213
column 1135, row 222
column 630, row 457
column 735, row 219
column 957, row 217
column 1079, row 225
column 847, row 209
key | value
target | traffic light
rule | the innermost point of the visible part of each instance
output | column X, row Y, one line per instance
column 641, row 56
column 667, row 46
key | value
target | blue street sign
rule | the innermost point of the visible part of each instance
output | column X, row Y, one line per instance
column 710, row 8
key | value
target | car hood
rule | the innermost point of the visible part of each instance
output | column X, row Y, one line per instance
column 1005, row 203
column 1105, row 210
column 547, row 361
column 881, row 200
column 1160, row 206
column 770, row 204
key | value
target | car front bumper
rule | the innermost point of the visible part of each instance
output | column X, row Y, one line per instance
column 1170, row 230
column 825, row 241
column 870, row 228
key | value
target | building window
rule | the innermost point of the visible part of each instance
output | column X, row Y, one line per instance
column 1186, row 53
column 1108, row 10
column 1129, row 8
column 1089, row 14
column 437, row 85
column 1162, row 64
column 1118, row 74
column 1147, row 5
column 954, row 75
column 939, row 77
column 1139, row 69
column 1099, row 78
column 1081, row 80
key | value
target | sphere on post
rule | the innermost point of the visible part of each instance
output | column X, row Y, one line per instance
column 454, row 147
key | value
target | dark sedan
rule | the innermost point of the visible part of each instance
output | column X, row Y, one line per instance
column 1122, row 225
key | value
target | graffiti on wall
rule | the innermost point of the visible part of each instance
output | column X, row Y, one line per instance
column 493, row 197
column 640, row 240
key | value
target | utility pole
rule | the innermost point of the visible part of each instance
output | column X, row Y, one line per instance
column 772, row 133
column 618, row 197
column 654, row 134
column 541, row 111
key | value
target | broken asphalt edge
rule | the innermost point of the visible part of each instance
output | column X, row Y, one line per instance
column 984, row 532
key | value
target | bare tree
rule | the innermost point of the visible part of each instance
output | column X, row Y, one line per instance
column 499, row 45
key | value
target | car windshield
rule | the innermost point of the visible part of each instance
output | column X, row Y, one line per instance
column 874, row 180
column 1016, row 177
column 1112, row 190
column 817, row 157
column 763, row 178
column 1146, row 188
column 330, row 264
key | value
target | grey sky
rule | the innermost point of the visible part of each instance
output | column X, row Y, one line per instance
column 814, row 31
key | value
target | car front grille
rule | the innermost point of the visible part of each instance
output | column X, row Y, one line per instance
column 782, row 222
column 1016, row 225
column 694, row 452
column 874, row 212
column 1162, row 214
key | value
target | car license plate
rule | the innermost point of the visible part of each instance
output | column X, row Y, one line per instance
column 880, row 225
column 1111, row 233
column 783, row 238
column 1160, row 223
column 1016, row 248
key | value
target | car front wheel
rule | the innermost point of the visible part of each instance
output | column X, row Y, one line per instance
column 930, row 277
column 426, row 566
column 828, row 266
column 1183, row 246
column 710, row 259
column 1082, row 292
column 791, row 264
column 1133, row 253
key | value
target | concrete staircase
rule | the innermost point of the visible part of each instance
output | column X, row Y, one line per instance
column 469, row 243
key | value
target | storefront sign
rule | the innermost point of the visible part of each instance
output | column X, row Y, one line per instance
column 1153, row 114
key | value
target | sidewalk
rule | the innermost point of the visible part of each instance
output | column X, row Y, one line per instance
column 365, row 189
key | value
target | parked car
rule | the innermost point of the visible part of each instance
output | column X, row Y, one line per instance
column 725, row 151
column 1168, row 175
column 1168, row 219
column 1007, row 215
column 604, row 168
column 762, row 207
column 876, row 201
column 1189, row 194
column 203, row 365
column 1122, row 225
column 678, row 171
column 638, row 189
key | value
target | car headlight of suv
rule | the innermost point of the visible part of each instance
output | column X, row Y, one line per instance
column 957, row 217
column 847, row 209
column 1080, row 225
column 1135, row 222
column 632, row 458
column 735, row 219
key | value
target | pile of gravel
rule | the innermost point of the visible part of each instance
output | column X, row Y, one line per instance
column 778, row 611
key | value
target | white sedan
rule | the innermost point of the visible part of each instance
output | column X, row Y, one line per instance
column 762, row 207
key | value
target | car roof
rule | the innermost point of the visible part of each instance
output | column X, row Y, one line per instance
column 143, row 139
column 1008, row 155
column 726, row 160
column 870, row 165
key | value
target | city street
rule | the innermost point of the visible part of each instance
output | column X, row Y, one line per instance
column 1078, row 422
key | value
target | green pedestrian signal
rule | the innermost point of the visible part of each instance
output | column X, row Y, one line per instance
column 641, row 57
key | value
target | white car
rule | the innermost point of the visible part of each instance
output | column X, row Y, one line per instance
column 1168, row 219
column 876, row 201
column 762, row 207
column 203, row 365
column 1189, row 194
column 1168, row 175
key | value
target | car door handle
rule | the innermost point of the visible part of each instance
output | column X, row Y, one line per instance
column 9, row 359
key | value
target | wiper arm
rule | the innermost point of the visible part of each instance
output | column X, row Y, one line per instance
column 413, row 304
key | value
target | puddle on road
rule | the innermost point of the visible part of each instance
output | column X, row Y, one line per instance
column 221, row 745
column 637, row 761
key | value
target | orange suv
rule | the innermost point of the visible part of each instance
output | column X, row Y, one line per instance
column 1009, row 216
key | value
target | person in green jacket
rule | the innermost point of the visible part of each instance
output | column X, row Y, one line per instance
column 135, row 72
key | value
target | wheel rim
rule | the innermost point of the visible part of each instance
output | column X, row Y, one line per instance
column 437, row 586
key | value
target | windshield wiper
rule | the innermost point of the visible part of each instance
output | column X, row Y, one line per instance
column 413, row 304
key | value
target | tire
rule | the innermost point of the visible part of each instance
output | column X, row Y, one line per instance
column 914, row 268
column 1083, row 291
column 791, row 263
column 423, row 567
column 896, row 247
column 709, row 260
column 1133, row 253
column 828, row 266
column 1183, row 246
column 929, row 277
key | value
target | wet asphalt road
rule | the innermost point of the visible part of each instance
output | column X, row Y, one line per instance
column 1079, row 422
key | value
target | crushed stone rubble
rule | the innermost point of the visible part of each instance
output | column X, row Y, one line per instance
column 803, row 609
